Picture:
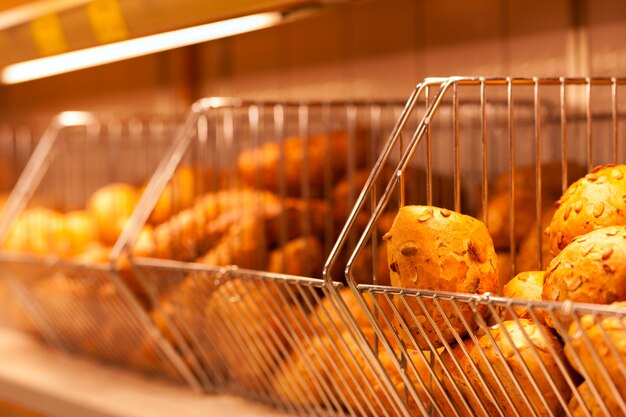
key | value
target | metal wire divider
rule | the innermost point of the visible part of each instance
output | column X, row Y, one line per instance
column 61, row 218
column 471, row 354
column 272, row 183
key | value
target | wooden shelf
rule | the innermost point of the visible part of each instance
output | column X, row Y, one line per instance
column 49, row 383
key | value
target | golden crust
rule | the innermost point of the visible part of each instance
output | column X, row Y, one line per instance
column 527, row 258
column 594, row 201
column 591, row 404
column 436, row 249
column 301, row 257
column 606, row 335
column 525, row 285
column 494, row 371
column 591, row 269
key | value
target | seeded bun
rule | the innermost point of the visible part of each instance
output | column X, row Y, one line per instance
column 525, row 285
column 436, row 249
column 592, row 202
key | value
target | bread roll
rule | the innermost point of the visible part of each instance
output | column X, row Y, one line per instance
column 551, row 177
column 37, row 231
column 592, row 202
column 525, row 285
column 591, row 404
column 436, row 249
column 591, row 269
column 607, row 336
column 505, row 268
column 499, row 216
column 534, row 357
column 262, row 167
column 252, row 314
column 527, row 259
column 111, row 206
column 179, row 194
column 301, row 257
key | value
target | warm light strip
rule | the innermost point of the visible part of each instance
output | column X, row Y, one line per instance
column 104, row 54
column 31, row 11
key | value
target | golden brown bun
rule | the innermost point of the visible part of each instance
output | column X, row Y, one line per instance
column 253, row 318
column 261, row 167
column 301, row 257
column 525, row 285
column 436, row 249
column 295, row 218
column 37, row 231
column 509, row 352
column 607, row 336
column 111, row 206
column 591, row 404
column 244, row 245
column 592, row 202
column 179, row 194
column 505, row 268
column 326, row 369
column 499, row 207
column 591, row 269
column 527, row 258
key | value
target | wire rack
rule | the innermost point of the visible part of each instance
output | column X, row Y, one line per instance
column 461, row 354
column 60, row 221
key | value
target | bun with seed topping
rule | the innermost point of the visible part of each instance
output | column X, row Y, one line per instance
column 594, row 201
column 431, row 248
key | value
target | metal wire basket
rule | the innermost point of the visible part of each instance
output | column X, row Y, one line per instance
column 236, row 270
column 480, row 354
column 61, row 218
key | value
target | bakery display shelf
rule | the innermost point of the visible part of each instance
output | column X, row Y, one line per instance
column 48, row 383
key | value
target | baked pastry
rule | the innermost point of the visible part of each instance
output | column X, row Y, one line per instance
column 592, row 202
column 178, row 195
column 499, row 216
column 590, row 404
column 252, row 313
column 266, row 165
column 486, row 375
column 37, row 231
column 606, row 334
column 527, row 258
column 111, row 206
column 525, row 285
column 591, row 269
column 505, row 268
column 294, row 217
column 301, row 257
column 551, row 178
column 436, row 249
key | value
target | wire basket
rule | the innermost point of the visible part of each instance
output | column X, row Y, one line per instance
column 472, row 352
column 61, row 220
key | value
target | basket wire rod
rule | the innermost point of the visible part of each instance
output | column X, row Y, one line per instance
column 411, row 365
column 376, row 171
column 483, row 131
column 564, row 148
column 535, row 356
column 511, row 137
column 294, row 333
column 471, row 332
column 279, row 132
column 429, row 159
column 606, row 375
column 589, row 125
column 181, row 343
column 274, row 346
column 305, row 183
column 329, row 230
column 33, row 310
column 576, row 362
column 375, row 129
column 140, row 314
column 538, row 193
column 31, row 177
column 351, row 121
column 457, row 150
column 155, row 187
column 257, row 355
column 509, row 373
column 614, row 116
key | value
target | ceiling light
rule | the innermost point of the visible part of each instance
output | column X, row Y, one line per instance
column 104, row 54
